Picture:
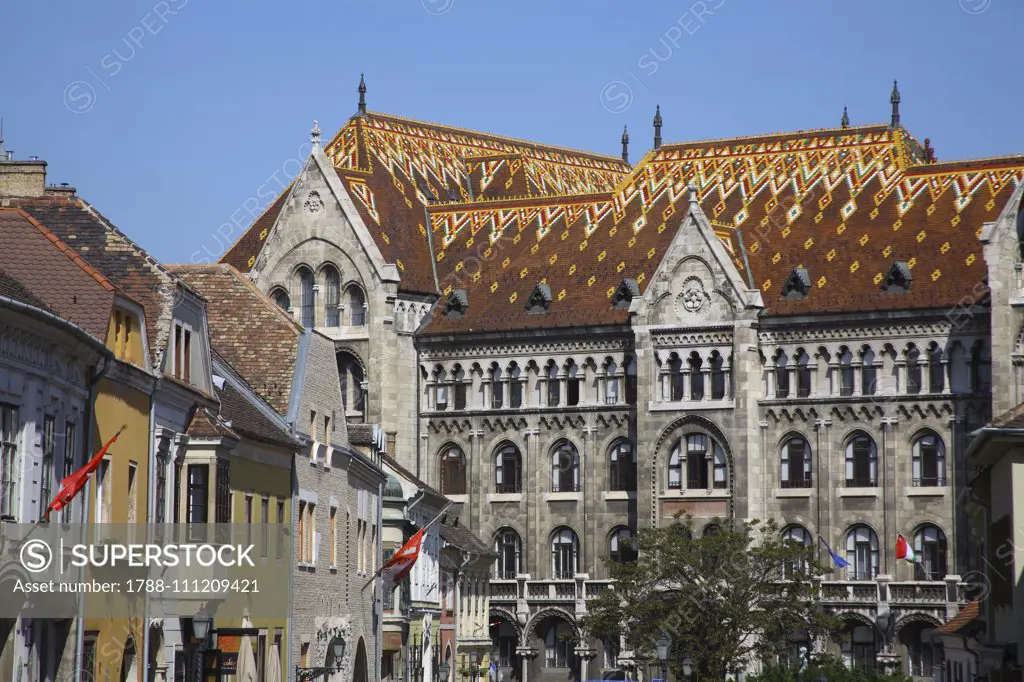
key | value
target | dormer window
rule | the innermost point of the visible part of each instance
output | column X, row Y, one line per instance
column 624, row 294
column 540, row 300
column 797, row 285
column 181, row 353
column 456, row 304
column 898, row 279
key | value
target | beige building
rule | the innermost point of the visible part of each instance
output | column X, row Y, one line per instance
column 570, row 349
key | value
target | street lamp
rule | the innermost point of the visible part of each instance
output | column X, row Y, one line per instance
column 337, row 649
column 474, row 670
column 443, row 671
column 663, row 645
column 200, row 631
column 687, row 666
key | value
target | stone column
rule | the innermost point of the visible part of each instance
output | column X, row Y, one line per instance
column 833, row 370
column 706, row 371
column 858, row 378
column 318, row 320
column 901, row 377
column 770, row 382
column 563, row 389
column 663, row 379
column 814, row 379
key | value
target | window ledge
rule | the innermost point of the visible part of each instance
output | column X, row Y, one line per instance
column 458, row 499
column 504, row 497
column 669, row 406
column 859, row 492
column 793, row 492
column 925, row 491
column 701, row 494
column 618, row 495
column 562, row 497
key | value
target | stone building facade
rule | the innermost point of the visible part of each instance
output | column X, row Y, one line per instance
column 572, row 349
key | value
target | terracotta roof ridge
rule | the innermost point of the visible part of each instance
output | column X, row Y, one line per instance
column 539, row 201
column 150, row 260
column 286, row 191
column 615, row 160
column 813, row 132
column 237, row 376
column 70, row 253
column 266, row 300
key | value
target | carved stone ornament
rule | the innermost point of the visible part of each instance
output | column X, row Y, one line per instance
column 314, row 204
column 693, row 296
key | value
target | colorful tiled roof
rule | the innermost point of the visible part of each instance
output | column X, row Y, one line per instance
column 53, row 274
column 258, row 339
column 118, row 258
column 843, row 204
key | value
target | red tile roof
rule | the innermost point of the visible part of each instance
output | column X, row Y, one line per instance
column 258, row 339
column 206, row 424
column 16, row 291
column 967, row 615
column 54, row 273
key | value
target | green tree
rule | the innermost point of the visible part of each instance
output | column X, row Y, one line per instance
column 726, row 599
column 829, row 667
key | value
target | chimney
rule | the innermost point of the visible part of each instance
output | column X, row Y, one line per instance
column 21, row 178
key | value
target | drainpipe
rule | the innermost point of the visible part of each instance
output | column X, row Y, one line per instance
column 90, row 433
column 378, row 585
column 151, row 494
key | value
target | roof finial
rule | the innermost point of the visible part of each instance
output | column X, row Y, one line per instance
column 657, row 127
column 314, row 134
column 845, row 123
column 625, row 145
column 694, row 198
column 894, row 99
column 362, row 94
column 929, row 151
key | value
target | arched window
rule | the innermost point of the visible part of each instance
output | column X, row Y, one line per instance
column 929, row 460
column 565, row 468
column 573, row 383
column 711, row 529
column 845, row 372
column 497, row 387
column 675, row 469
column 515, row 386
column 281, row 298
column 558, row 648
column 861, row 461
column 353, row 393
column 611, row 382
column 332, row 296
column 803, row 373
column 795, row 463
column 453, row 471
column 307, row 307
column 677, row 382
column 799, row 536
column 696, row 377
column 508, row 469
column 930, row 548
column 355, row 305
column 862, row 553
column 868, row 372
column 622, row 466
column 781, row 375
column 621, row 546
column 440, row 388
column 705, row 462
column 509, row 549
column 859, row 648
column 459, row 387
column 717, row 376
column 913, row 369
column 554, row 393
column 564, row 553
column 936, row 370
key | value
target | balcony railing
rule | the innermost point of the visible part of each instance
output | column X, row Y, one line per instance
column 862, row 482
column 929, row 481
column 565, row 487
column 802, row 482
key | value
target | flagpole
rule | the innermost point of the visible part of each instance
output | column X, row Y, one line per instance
column 423, row 528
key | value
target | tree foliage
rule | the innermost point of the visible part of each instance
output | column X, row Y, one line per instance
column 831, row 668
column 726, row 599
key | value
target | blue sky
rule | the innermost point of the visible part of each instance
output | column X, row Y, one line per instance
column 168, row 115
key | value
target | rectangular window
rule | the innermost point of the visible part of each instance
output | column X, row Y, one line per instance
column 460, row 396
column 782, row 382
column 572, row 392
column 198, row 501
column 161, row 489
column 334, row 536
column 389, row 596
column 46, row 469
column 176, row 511
column 327, row 431
column 311, row 539
column 515, row 394
column 70, row 447
column 497, row 394
column 9, row 429
column 264, row 526
column 301, row 536
column 717, row 383
column 133, row 496
column 553, row 392
column 803, row 381
column 846, row 380
column 181, row 359
column 280, row 529
column 103, row 491
column 248, row 519
column 88, row 662
column 223, row 510
column 186, row 357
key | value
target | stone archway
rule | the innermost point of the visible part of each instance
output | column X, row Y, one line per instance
column 360, row 673
column 552, row 634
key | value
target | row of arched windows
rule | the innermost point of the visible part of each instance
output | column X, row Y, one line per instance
column 565, row 551
column 863, row 372
column 513, row 386
column 564, row 463
column 928, row 461
column 348, row 307
column 860, row 547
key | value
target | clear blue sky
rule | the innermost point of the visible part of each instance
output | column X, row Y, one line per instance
column 168, row 115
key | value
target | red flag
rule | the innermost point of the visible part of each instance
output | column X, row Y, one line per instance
column 903, row 550
column 397, row 567
column 73, row 483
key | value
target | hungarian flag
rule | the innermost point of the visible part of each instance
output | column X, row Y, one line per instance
column 904, row 550
column 73, row 483
column 397, row 567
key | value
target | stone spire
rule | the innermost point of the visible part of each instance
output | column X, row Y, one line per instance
column 314, row 134
column 362, row 95
column 625, row 145
column 845, row 123
column 894, row 99
column 657, row 127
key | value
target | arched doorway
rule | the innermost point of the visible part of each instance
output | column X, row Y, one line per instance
column 552, row 634
column 504, row 635
column 359, row 673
